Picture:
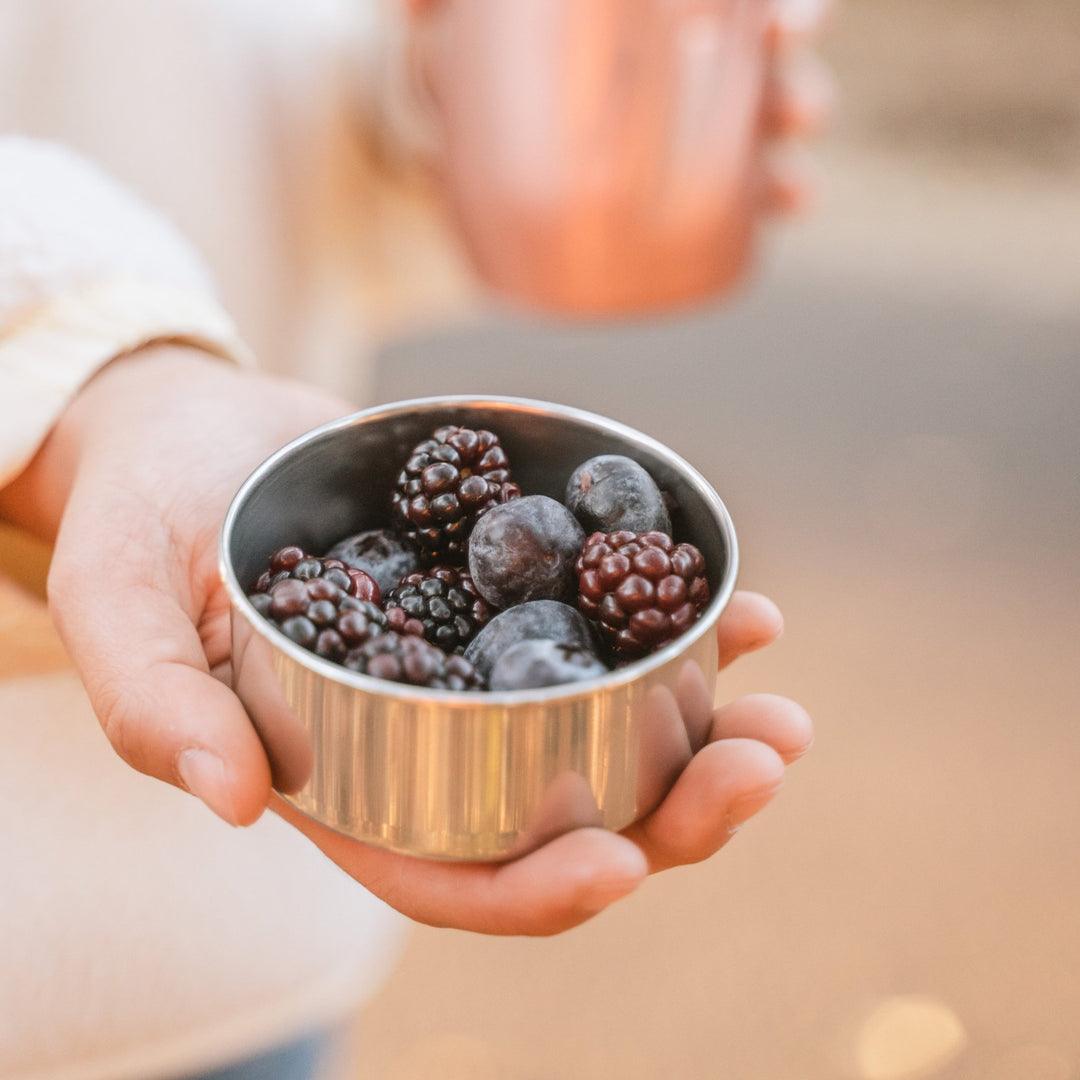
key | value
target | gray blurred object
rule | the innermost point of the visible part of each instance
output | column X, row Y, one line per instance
column 449, row 774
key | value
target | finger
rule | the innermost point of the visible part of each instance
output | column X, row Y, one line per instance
column 143, row 666
column 558, row 886
column 724, row 785
column 793, row 23
column 750, row 621
column 800, row 97
column 771, row 719
column 792, row 181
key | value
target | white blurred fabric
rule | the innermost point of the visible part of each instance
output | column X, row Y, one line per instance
column 139, row 936
column 86, row 272
column 64, row 223
column 237, row 119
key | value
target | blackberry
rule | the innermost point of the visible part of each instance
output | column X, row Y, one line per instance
column 448, row 482
column 321, row 604
column 405, row 658
column 440, row 604
column 642, row 590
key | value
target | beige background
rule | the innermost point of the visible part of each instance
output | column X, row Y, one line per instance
column 891, row 413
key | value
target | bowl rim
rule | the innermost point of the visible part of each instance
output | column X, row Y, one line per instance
column 470, row 699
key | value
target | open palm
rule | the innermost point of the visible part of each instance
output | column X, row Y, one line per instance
column 137, row 477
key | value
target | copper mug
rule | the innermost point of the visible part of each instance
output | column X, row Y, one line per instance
column 600, row 155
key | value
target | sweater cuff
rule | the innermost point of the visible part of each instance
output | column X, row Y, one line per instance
column 46, row 357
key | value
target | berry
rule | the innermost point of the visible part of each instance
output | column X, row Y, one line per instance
column 641, row 589
column 405, row 658
column 440, row 604
column 547, row 619
column 525, row 550
column 321, row 604
column 535, row 663
column 612, row 493
column 449, row 481
column 382, row 553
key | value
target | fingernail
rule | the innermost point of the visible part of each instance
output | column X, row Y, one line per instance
column 626, row 868
column 800, row 751
column 743, row 809
column 204, row 775
column 602, row 894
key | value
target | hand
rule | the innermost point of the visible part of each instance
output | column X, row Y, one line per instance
column 577, row 875
column 799, row 100
column 635, row 153
column 800, row 96
column 138, row 474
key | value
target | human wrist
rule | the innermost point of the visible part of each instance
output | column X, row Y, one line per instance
column 35, row 499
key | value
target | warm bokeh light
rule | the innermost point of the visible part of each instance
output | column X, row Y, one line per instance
column 908, row 1037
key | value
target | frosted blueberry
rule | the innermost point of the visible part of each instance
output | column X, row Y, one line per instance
column 532, row 664
column 525, row 550
column 611, row 493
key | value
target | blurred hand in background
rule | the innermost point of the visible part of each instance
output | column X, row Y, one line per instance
column 605, row 158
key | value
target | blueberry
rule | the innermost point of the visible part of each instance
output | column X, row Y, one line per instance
column 525, row 550
column 382, row 553
column 535, row 663
column 543, row 619
column 612, row 493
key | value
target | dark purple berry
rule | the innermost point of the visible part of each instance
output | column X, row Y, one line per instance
column 321, row 604
column 532, row 664
column 359, row 624
column 441, row 604
column 525, row 550
column 447, row 484
column 300, row 629
column 382, row 553
column 405, row 658
column 612, row 493
column 307, row 568
column 288, row 597
column 641, row 589
column 261, row 602
column 547, row 619
column 285, row 559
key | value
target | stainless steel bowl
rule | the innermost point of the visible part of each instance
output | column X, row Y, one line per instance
column 451, row 774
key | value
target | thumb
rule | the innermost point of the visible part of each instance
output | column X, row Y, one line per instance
column 128, row 624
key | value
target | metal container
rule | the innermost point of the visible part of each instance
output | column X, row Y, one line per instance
column 452, row 774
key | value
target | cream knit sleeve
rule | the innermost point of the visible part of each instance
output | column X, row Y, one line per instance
column 87, row 272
